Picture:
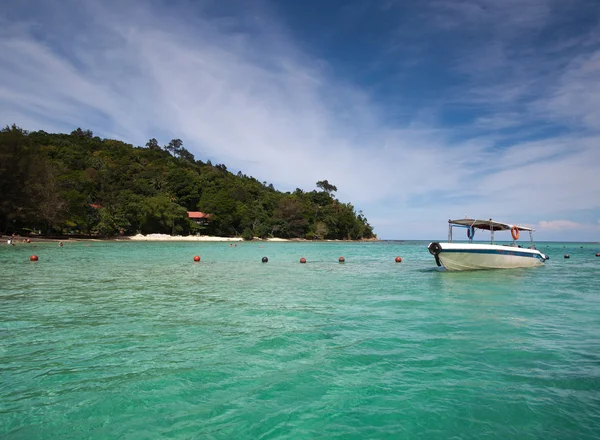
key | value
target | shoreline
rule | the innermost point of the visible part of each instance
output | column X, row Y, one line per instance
column 208, row 238
column 166, row 237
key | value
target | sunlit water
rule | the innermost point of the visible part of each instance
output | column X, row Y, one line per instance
column 126, row 340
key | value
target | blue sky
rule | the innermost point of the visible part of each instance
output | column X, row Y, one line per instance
column 419, row 111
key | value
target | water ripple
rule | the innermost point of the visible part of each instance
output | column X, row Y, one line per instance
column 134, row 340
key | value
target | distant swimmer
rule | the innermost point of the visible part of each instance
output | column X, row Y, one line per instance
column 60, row 244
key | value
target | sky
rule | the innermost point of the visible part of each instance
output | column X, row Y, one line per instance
column 418, row 111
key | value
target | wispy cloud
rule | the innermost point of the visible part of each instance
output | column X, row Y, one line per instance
column 238, row 89
column 559, row 225
column 576, row 96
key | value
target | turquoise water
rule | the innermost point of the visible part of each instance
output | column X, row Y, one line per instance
column 136, row 341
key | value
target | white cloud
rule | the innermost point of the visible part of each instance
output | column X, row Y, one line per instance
column 568, row 230
column 576, row 97
column 241, row 92
column 559, row 225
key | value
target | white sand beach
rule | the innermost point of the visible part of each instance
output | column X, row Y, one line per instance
column 165, row 237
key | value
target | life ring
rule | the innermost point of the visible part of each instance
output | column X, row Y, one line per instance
column 514, row 231
column 470, row 233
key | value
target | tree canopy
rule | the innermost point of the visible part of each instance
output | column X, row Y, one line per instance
column 326, row 186
column 81, row 184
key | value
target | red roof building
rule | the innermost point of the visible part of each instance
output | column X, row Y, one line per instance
column 198, row 215
column 200, row 218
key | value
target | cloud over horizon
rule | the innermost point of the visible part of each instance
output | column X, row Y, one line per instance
column 511, row 132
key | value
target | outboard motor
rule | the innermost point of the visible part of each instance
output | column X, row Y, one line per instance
column 434, row 249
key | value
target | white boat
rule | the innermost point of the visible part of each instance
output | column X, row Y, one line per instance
column 473, row 256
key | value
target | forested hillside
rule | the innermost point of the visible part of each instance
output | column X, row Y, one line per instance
column 82, row 185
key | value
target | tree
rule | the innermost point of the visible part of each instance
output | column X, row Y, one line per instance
column 290, row 217
column 174, row 147
column 46, row 192
column 186, row 155
column 247, row 234
column 326, row 186
column 152, row 144
column 88, row 134
column 16, row 155
column 161, row 214
column 106, row 186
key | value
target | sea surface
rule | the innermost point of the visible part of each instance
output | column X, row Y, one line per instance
column 134, row 340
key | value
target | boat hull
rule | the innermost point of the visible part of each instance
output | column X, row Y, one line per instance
column 457, row 256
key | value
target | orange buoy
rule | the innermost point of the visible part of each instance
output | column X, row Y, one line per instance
column 28, row 241
column 196, row 257
column 302, row 260
column 341, row 259
column 265, row 260
column 398, row 260
column 33, row 258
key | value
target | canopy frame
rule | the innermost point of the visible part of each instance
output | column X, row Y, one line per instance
column 487, row 225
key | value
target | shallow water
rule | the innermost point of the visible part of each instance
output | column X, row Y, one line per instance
column 135, row 340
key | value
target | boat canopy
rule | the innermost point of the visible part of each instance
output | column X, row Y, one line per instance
column 486, row 224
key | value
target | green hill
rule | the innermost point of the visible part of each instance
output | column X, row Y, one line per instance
column 80, row 184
